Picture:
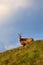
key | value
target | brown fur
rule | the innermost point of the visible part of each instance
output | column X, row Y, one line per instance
column 25, row 41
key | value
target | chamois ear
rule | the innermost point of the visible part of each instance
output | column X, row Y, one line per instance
column 19, row 34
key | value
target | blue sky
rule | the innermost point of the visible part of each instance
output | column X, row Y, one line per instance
column 20, row 16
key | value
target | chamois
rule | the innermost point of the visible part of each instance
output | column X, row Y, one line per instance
column 25, row 41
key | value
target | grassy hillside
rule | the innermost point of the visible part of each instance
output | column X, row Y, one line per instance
column 31, row 54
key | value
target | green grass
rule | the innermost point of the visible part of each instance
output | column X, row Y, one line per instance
column 31, row 54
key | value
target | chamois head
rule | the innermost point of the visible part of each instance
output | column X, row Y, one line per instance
column 19, row 36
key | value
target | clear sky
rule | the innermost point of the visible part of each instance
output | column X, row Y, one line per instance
column 20, row 16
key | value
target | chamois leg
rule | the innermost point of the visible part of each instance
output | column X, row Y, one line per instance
column 24, row 44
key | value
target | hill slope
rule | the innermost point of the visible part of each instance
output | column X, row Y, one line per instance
column 31, row 54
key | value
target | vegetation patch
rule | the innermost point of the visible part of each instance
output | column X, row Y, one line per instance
column 31, row 54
